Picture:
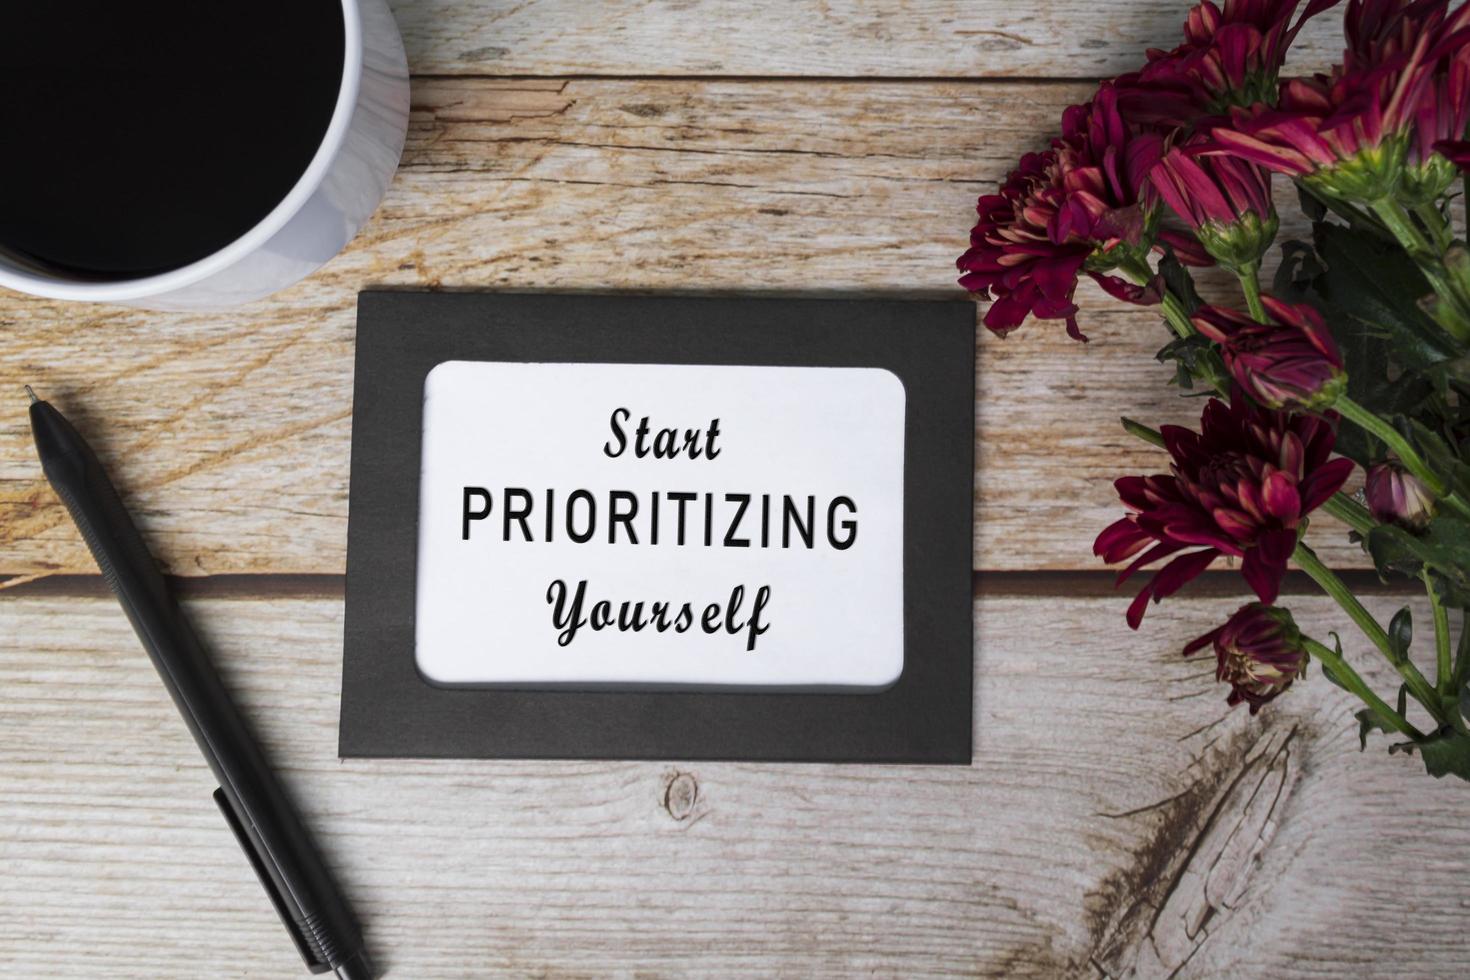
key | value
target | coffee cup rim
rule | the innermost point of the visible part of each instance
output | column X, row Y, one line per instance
column 40, row 283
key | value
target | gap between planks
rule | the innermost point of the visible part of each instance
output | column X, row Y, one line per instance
column 703, row 79
column 1006, row 584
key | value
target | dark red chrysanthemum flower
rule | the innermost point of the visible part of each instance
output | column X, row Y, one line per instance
column 1289, row 362
column 1081, row 206
column 1240, row 487
column 1224, row 200
column 1231, row 56
column 1258, row 652
column 1348, row 134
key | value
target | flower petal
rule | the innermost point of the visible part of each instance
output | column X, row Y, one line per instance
column 1279, row 494
column 1324, row 482
column 1162, row 550
column 1265, row 564
column 1200, row 642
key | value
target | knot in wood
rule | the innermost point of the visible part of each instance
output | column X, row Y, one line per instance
column 681, row 793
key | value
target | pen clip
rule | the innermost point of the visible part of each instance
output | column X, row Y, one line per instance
column 314, row 962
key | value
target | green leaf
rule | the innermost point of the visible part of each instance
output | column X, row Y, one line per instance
column 1183, row 377
column 1445, row 753
column 1311, row 204
column 1189, row 354
column 1457, row 709
column 1455, row 370
column 1327, row 671
column 1444, row 546
column 1358, row 219
column 1370, row 720
column 1379, row 287
column 1367, row 291
column 1179, row 282
column 1401, row 632
column 1439, row 455
column 1461, row 672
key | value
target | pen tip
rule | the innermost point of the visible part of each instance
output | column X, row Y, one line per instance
column 356, row 967
column 34, row 399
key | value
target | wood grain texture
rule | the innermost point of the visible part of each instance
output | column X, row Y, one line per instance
column 1118, row 819
column 229, row 433
column 841, row 38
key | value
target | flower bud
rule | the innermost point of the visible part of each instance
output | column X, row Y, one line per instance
column 1423, row 184
column 1291, row 361
column 1259, row 652
column 1225, row 201
column 1396, row 496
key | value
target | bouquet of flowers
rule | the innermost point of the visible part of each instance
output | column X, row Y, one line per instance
column 1359, row 346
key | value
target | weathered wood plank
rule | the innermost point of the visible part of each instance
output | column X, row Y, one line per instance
column 899, row 38
column 229, row 432
column 1117, row 816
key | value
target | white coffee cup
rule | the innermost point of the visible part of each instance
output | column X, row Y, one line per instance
column 332, row 200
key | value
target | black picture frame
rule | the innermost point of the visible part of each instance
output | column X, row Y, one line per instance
column 389, row 710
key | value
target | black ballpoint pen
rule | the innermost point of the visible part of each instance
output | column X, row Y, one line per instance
column 252, row 800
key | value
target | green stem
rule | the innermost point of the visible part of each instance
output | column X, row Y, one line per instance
column 1462, row 654
column 1350, row 512
column 1327, row 579
column 1444, row 669
column 1396, row 220
column 1250, row 284
column 1354, row 215
column 1351, row 680
column 1211, row 370
column 1434, row 223
column 1465, row 193
column 1175, row 313
column 1141, row 273
column 1429, row 260
column 1406, row 453
column 1148, row 435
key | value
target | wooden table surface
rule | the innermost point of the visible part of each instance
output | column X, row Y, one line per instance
column 1117, row 817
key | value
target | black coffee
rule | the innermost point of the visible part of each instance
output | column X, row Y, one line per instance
column 137, row 137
